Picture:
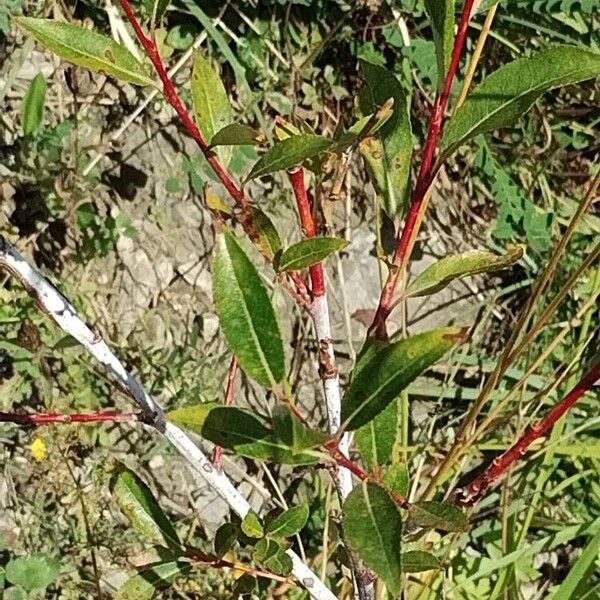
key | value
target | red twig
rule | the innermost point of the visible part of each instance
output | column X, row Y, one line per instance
column 233, row 366
column 317, row 275
column 170, row 93
column 41, row 419
column 343, row 461
column 471, row 493
column 427, row 172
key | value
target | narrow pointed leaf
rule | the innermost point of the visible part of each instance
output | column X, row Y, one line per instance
column 376, row 440
column 288, row 428
column 87, row 48
column 373, row 527
column 225, row 538
column 417, row 561
column 212, row 108
column 158, row 9
column 438, row 515
column 390, row 369
column 33, row 105
column 441, row 15
column 441, row 273
column 246, row 313
column 289, row 522
column 506, row 94
column 235, row 134
column 308, row 252
column 289, row 153
column 262, row 231
column 145, row 584
column 139, row 505
column 388, row 152
column 244, row 432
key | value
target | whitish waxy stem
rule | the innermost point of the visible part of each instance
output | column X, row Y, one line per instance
column 64, row 314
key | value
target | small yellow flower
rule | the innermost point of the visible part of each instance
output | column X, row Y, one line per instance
column 39, row 450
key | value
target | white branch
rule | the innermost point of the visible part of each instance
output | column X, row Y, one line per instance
column 62, row 312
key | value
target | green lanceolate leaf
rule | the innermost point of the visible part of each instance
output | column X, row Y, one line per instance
column 158, row 9
column 376, row 440
column 289, row 522
column 389, row 369
column 506, row 94
column 308, row 252
column 388, row 152
column 441, row 273
column 438, row 515
column 33, row 105
column 235, row 134
column 252, row 526
column 288, row 428
column 441, row 15
column 261, row 231
column 246, row 433
column 87, row 48
column 288, row 153
column 139, row 505
column 211, row 103
column 145, row 584
column 225, row 538
column 246, row 313
column 417, row 561
column 373, row 527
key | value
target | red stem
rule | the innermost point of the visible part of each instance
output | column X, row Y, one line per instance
column 427, row 173
column 41, row 419
column 309, row 228
column 170, row 93
column 343, row 461
column 233, row 366
column 499, row 465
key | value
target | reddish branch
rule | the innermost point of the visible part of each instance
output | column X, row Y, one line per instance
column 427, row 173
column 41, row 419
column 175, row 101
column 233, row 366
column 499, row 465
column 317, row 274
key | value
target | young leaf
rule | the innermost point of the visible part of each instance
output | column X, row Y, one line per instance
column 289, row 153
column 376, row 439
column 262, row 232
column 373, row 527
column 390, row 369
column 441, row 273
column 145, row 584
column 506, row 94
column 242, row 431
column 396, row 478
column 139, row 505
column 33, row 105
column 308, row 252
column 387, row 153
column 288, row 428
column 87, row 48
column 438, row 515
column 289, row 522
column 235, row 134
column 34, row 572
column 417, row 561
column 441, row 15
column 270, row 554
column 211, row 103
column 246, row 313
column 252, row 526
